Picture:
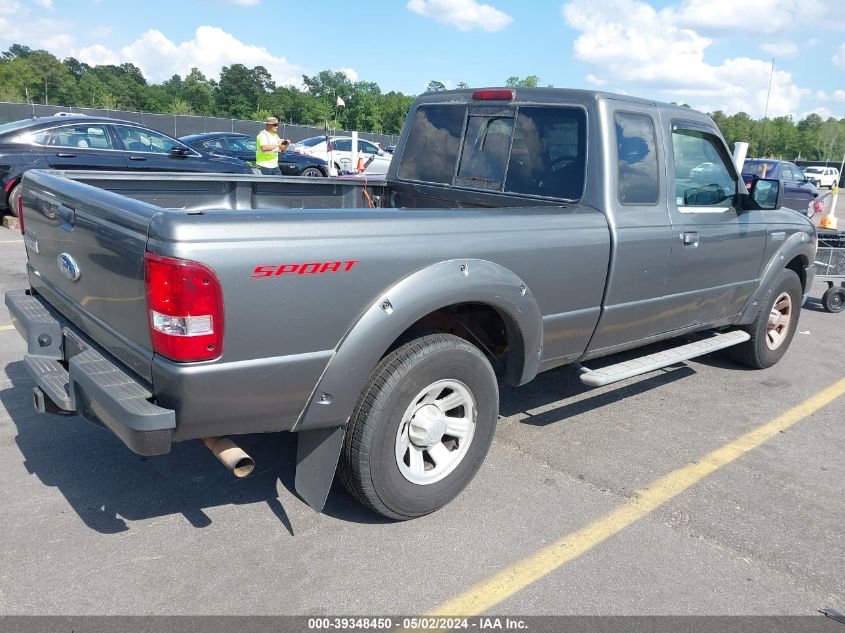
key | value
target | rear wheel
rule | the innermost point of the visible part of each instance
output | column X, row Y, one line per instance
column 14, row 196
column 312, row 172
column 421, row 427
column 833, row 299
column 773, row 328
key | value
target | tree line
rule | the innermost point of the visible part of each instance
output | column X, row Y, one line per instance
column 36, row 76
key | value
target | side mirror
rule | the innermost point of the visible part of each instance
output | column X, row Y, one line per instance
column 767, row 193
column 179, row 151
column 381, row 152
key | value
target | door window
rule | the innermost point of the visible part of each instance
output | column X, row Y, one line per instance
column 137, row 139
column 82, row 136
column 704, row 179
column 342, row 145
column 367, row 148
column 241, row 144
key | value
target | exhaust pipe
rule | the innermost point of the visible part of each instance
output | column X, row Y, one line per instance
column 231, row 455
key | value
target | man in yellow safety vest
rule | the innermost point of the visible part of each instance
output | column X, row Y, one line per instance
column 267, row 148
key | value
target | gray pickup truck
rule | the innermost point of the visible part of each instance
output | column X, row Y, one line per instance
column 516, row 231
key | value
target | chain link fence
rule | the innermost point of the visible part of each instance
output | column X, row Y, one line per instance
column 181, row 125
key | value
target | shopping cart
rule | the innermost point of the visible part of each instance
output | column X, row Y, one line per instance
column 830, row 268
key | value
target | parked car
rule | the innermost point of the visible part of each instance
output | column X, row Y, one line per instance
column 86, row 142
column 242, row 147
column 798, row 191
column 338, row 151
column 822, row 176
column 390, row 149
column 702, row 171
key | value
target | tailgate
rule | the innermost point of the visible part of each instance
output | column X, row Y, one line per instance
column 85, row 249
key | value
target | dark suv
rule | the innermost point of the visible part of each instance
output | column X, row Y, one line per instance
column 798, row 190
column 85, row 142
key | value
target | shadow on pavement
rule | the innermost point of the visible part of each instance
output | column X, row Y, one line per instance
column 107, row 485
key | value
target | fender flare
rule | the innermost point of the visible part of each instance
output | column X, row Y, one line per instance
column 797, row 244
column 420, row 293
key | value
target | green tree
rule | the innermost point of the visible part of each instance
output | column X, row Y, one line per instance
column 198, row 92
column 531, row 81
column 180, row 106
column 240, row 90
column 435, row 86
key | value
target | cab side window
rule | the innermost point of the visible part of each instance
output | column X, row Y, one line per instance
column 704, row 179
column 636, row 159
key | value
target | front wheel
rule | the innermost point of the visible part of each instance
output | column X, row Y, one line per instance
column 312, row 172
column 421, row 428
column 773, row 328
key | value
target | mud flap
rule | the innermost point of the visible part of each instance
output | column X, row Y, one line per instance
column 317, row 452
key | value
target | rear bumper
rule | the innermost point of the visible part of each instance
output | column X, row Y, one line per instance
column 75, row 377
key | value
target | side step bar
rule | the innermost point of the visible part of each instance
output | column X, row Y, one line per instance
column 645, row 364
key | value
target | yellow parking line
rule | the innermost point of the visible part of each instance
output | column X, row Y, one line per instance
column 521, row 574
column 3, row 328
column 11, row 241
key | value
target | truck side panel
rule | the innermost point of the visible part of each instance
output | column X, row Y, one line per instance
column 295, row 283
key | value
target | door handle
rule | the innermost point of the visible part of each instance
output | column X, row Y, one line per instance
column 137, row 158
column 690, row 238
column 63, row 155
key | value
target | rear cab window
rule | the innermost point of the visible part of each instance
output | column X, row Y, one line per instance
column 527, row 150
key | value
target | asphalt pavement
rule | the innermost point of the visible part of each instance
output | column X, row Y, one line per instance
column 91, row 528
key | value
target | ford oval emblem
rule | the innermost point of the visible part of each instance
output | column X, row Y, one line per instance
column 69, row 267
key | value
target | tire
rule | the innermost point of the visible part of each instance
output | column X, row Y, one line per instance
column 399, row 418
column 12, row 200
column 769, row 341
column 312, row 172
column 833, row 299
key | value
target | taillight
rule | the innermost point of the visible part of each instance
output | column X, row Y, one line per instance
column 493, row 95
column 20, row 212
column 184, row 308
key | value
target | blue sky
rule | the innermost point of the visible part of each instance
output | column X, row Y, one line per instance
column 712, row 54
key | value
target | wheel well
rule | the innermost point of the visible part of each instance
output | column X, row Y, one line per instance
column 483, row 326
column 797, row 265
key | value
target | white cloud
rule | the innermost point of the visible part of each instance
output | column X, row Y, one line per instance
column 823, row 112
column 351, row 73
column 637, row 49
column 464, row 15
column 245, row 3
column 211, row 48
column 839, row 57
column 754, row 17
column 782, row 49
column 46, row 4
column 836, row 95
column 18, row 26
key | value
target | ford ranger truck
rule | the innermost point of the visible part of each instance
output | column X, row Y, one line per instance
column 517, row 230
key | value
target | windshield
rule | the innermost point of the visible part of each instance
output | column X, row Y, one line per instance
column 314, row 140
column 813, row 170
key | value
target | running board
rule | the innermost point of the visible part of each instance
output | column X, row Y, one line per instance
column 645, row 364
